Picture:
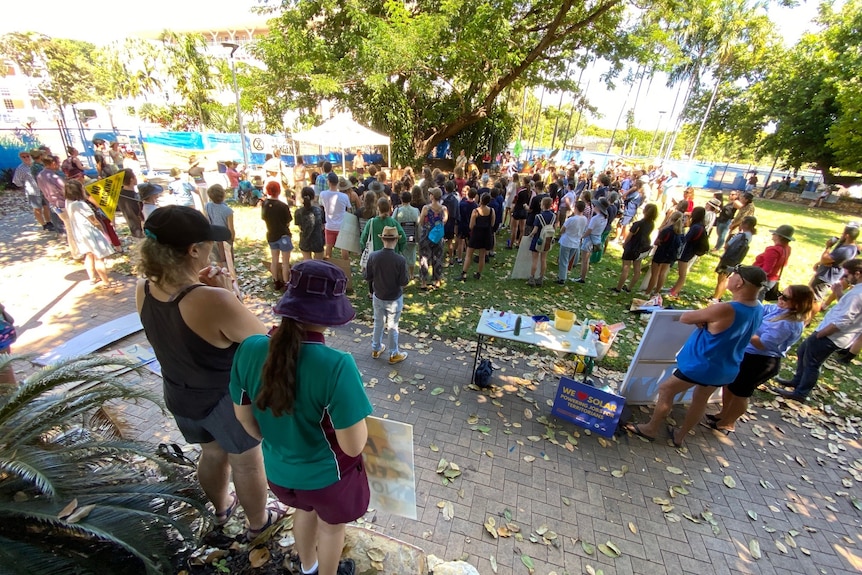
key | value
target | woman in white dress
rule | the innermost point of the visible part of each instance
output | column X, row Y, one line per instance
column 87, row 232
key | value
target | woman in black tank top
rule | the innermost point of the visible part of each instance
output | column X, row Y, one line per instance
column 195, row 322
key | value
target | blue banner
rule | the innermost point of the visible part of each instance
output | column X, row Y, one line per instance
column 588, row 407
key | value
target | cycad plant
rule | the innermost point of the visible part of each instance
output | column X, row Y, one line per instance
column 75, row 498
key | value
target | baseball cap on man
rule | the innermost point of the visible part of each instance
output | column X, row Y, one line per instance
column 752, row 274
column 182, row 226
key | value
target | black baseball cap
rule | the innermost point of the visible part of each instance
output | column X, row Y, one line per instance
column 182, row 226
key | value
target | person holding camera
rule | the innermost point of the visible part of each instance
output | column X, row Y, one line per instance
column 829, row 269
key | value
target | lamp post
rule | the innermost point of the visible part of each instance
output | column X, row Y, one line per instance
column 655, row 132
column 233, row 47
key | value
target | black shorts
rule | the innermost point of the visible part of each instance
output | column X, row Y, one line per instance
column 687, row 379
column 753, row 371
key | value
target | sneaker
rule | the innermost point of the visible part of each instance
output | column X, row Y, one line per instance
column 539, row 282
column 580, row 281
column 626, row 289
column 379, row 352
column 561, row 282
column 397, row 357
column 531, row 281
column 616, row 290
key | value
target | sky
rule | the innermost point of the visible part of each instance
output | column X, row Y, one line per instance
column 55, row 18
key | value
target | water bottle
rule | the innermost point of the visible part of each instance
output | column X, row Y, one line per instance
column 518, row 325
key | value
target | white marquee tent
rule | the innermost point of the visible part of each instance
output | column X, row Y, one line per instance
column 343, row 133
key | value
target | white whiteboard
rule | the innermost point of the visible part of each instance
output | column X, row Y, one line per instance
column 655, row 358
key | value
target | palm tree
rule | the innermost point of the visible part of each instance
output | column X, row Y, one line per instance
column 74, row 496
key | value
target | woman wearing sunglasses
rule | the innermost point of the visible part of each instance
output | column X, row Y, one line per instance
column 782, row 326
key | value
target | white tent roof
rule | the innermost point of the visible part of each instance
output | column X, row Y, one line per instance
column 342, row 132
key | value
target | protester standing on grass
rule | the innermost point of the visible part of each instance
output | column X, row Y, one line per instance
column 407, row 216
column 220, row 214
column 592, row 239
column 335, row 204
column 539, row 246
column 782, row 326
column 177, row 301
column 306, row 402
column 668, row 244
column 129, row 204
column 695, row 243
column 711, row 355
column 839, row 329
column 431, row 247
column 309, row 218
column 571, row 233
column 636, row 247
column 744, row 210
column 277, row 216
column 734, row 253
column 481, row 226
column 723, row 219
column 773, row 259
column 386, row 274
column 828, row 270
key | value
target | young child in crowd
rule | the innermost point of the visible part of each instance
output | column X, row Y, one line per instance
column 220, row 214
column 734, row 253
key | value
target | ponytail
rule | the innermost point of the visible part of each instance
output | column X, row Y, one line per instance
column 278, row 389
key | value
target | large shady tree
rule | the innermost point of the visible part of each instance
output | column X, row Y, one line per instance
column 428, row 70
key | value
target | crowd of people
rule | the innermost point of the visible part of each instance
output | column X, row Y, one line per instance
column 287, row 412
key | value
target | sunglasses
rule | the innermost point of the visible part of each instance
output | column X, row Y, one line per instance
column 785, row 297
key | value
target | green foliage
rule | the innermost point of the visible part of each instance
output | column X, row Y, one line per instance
column 435, row 67
column 64, row 69
column 57, row 445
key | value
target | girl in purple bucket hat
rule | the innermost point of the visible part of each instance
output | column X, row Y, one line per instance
column 307, row 403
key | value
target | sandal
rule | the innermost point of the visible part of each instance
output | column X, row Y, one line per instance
column 671, row 431
column 632, row 428
column 274, row 513
column 711, row 423
column 221, row 518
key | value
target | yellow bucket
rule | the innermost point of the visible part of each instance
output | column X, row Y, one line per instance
column 563, row 320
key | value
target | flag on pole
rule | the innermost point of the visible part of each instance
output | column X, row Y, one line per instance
column 518, row 148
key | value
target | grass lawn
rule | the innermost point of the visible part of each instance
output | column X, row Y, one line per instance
column 453, row 311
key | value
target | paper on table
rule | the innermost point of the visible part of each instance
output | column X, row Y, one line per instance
column 502, row 323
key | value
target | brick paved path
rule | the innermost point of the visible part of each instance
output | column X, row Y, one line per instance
column 796, row 471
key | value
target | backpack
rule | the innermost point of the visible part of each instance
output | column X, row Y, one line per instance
column 736, row 250
column 483, row 374
column 701, row 243
column 451, row 203
column 547, row 232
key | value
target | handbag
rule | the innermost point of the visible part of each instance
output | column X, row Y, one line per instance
column 773, row 292
column 366, row 253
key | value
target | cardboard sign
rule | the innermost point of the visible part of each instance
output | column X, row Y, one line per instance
column 107, row 192
column 389, row 464
column 588, row 407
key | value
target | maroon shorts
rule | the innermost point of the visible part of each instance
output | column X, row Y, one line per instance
column 344, row 501
column 330, row 236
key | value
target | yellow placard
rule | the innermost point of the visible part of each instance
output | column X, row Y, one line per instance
column 106, row 192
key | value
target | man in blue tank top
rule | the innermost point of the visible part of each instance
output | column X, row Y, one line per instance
column 711, row 356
